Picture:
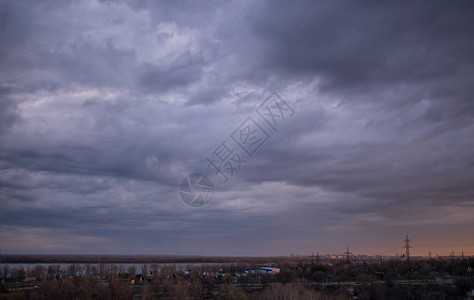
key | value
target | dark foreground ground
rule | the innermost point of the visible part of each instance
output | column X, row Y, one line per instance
column 101, row 277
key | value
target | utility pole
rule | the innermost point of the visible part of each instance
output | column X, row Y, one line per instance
column 348, row 254
column 407, row 247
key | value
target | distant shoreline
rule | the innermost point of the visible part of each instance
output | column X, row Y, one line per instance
column 84, row 259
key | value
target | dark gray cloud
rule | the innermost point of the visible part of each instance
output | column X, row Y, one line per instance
column 183, row 71
column 366, row 45
column 105, row 106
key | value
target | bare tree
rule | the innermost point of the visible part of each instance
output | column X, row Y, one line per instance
column 148, row 292
column 5, row 271
column 132, row 270
column 287, row 292
column 39, row 272
column 52, row 272
column 144, row 271
column 102, row 271
column 120, row 290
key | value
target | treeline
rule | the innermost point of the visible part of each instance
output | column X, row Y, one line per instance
column 110, row 281
column 430, row 279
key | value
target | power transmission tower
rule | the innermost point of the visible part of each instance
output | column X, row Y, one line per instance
column 348, row 254
column 407, row 247
column 430, row 254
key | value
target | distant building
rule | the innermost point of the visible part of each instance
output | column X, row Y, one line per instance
column 265, row 270
column 30, row 279
column 269, row 270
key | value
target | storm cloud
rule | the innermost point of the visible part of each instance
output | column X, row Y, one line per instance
column 106, row 106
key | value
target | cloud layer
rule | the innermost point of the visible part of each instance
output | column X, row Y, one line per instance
column 106, row 106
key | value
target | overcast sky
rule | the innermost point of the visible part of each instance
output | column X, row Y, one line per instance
column 106, row 106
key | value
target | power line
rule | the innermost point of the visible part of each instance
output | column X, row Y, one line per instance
column 444, row 246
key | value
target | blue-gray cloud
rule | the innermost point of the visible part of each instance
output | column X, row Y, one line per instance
column 105, row 106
